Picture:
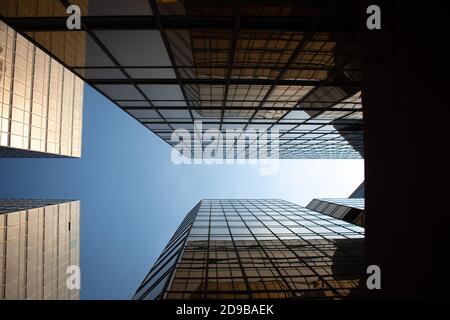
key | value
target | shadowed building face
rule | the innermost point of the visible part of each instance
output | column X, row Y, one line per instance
column 348, row 209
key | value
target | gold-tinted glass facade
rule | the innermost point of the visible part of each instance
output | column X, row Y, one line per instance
column 38, row 241
column 41, row 101
column 268, row 248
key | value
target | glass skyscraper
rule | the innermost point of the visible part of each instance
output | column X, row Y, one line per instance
column 268, row 248
column 260, row 65
column 350, row 210
column 39, row 239
column 41, row 101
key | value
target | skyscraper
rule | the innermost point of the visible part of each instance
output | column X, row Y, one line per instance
column 350, row 210
column 39, row 239
column 227, row 249
column 41, row 101
column 291, row 67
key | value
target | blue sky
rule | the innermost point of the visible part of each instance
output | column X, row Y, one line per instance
column 133, row 197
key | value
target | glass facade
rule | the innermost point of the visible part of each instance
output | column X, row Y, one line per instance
column 350, row 210
column 268, row 248
column 39, row 239
column 41, row 101
column 262, row 65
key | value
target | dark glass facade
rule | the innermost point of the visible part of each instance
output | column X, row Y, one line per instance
column 350, row 210
column 268, row 248
column 291, row 66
